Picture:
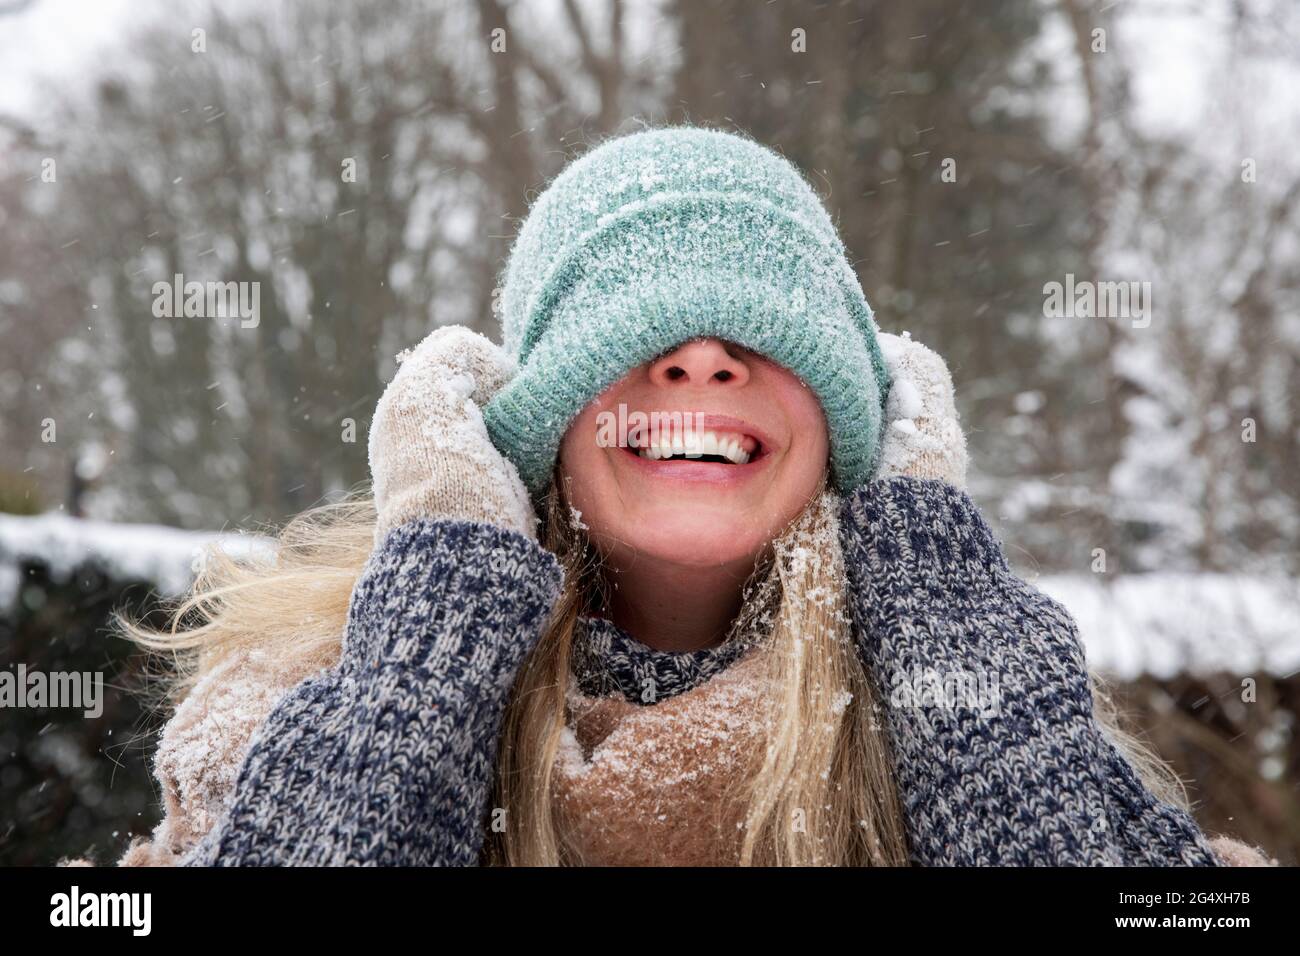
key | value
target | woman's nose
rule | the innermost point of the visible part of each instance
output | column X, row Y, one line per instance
column 700, row 362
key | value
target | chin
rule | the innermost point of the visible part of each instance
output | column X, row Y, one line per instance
column 688, row 537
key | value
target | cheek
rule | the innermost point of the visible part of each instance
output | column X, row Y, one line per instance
column 819, row 449
column 585, row 472
column 810, row 445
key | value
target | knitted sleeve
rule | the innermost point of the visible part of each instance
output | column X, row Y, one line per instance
column 987, row 699
column 387, row 758
column 202, row 748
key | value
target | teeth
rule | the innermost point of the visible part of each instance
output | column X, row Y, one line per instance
column 708, row 443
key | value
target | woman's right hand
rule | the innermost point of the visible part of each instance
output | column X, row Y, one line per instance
column 430, row 455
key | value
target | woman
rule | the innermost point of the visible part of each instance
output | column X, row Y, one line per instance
column 758, row 622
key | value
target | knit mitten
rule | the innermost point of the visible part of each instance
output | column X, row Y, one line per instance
column 922, row 435
column 430, row 455
column 987, row 698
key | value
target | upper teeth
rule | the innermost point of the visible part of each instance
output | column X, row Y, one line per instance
column 695, row 444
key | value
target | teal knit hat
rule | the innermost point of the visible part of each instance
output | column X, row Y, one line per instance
column 671, row 234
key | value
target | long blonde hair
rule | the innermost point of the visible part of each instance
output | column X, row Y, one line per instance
column 824, row 792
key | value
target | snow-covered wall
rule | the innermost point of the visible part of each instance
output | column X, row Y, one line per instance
column 168, row 557
column 1167, row 624
column 1157, row 624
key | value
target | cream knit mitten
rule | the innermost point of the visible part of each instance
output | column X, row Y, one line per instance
column 922, row 435
column 430, row 455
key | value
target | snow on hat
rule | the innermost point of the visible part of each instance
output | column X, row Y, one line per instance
column 666, row 235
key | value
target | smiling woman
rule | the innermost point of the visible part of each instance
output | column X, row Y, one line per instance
column 694, row 529
column 697, row 646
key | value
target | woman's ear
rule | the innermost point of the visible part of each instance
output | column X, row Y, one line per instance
column 922, row 434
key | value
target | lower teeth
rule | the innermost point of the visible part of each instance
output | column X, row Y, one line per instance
column 716, row 459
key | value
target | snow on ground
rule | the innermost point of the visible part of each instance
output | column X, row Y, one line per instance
column 1157, row 624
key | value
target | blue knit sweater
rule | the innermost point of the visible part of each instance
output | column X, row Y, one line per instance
column 387, row 758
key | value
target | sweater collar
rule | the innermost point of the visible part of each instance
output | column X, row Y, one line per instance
column 608, row 660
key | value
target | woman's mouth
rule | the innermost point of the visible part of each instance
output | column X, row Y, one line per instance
column 730, row 448
column 709, row 448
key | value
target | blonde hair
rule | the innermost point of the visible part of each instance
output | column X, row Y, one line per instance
column 827, row 763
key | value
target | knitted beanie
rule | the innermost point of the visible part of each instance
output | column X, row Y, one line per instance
column 666, row 235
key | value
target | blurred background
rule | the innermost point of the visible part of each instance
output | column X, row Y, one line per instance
column 368, row 163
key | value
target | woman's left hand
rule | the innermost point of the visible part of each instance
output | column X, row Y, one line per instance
column 922, row 436
column 987, row 696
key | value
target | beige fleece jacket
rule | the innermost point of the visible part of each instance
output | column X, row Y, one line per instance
column 635, row 784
